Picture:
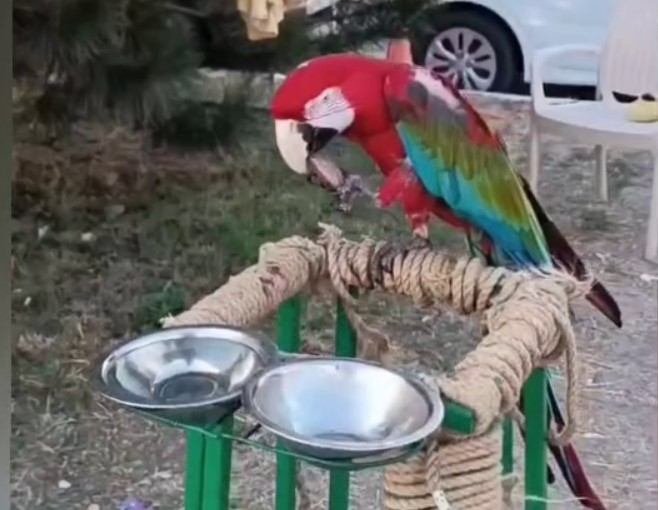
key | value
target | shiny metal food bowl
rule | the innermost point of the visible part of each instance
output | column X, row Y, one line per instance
column 343, row 409
column 191, row 375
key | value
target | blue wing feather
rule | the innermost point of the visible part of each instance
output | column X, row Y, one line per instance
column 449, row 184
column 486, row 192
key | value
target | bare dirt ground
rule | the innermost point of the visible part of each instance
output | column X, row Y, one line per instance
column 93, row 271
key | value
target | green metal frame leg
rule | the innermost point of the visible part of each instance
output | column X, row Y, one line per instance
column 217, row 468
column 289, row 340
column 194, row 464
column 339, row 480
column 339, row 489
column 536, row 449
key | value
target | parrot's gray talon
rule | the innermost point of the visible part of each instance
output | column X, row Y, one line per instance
column 420, row 243
column 352, row 188
column 385, row 259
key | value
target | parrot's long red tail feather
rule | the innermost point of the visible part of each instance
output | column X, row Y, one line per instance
column 567, row 460
column 579, row 482
column 606, row 304
column 568, row 259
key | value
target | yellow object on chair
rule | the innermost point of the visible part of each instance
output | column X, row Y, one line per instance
column 643, row 110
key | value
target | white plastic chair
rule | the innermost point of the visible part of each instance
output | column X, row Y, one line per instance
column 628, row 63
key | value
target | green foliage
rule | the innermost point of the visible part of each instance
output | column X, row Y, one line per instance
column 202, row 125
column 360, row 22
column 171, row 300
column 355, row 22
column 132, row 59
column 347, row 27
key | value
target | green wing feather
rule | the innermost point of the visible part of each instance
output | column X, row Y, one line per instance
column 461, row 161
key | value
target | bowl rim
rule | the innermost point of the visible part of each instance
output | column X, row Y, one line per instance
column 430, row 395
column 259, row 344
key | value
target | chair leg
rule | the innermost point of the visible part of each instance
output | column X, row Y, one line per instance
column 651, row 250
column 534, row 155
column 601, row 154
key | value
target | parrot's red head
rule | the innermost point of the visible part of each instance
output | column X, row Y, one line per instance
column 319, row 100
column 310, row 108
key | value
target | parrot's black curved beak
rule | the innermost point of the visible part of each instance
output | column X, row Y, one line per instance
column 316, row 138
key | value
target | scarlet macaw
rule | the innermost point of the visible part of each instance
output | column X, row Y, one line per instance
column 439, row 157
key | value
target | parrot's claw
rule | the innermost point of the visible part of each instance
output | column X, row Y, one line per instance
column 352, row 188
column 389, row 254
column 420, row 243
column 385, row 258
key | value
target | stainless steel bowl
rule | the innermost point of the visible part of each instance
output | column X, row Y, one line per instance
column 191, row 375
column 342, row 409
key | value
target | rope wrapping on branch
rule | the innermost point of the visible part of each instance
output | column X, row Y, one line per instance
column 526, row 324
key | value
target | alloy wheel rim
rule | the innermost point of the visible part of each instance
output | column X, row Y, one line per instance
column 464, row 57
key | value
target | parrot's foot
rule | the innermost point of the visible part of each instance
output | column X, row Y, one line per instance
column 345, row 187
column 352, row 188
column 420, row 243
column 385, row 258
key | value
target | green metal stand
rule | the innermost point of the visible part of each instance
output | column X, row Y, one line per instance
column 536, row 444
column 339, row 480
column 208, row 464
column 208, row 469
column 289, row 340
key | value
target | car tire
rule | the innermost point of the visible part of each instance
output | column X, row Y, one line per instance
column 507, row 75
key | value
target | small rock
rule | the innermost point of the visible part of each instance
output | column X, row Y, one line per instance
column 94, row 506
column 64, row 484
column 88, row 237
column 592, row 435
column 134, row 504
column 42, row 231
column 114, row 211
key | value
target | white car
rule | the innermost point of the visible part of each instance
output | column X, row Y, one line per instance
column 479, row 44
column 488, row 44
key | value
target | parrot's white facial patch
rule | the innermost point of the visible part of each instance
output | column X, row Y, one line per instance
column 330, row 109
column 291, row 145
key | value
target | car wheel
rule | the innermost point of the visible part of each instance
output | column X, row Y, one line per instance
column 473, row 51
